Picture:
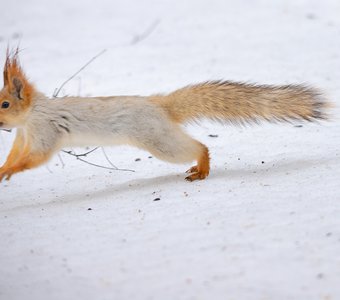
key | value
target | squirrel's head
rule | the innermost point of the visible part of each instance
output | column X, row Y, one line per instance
column 16, row 94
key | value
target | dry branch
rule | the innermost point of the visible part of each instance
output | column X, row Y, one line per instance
column 72, row 153
column 57, row 91
column 79, row 157
column 140, row 37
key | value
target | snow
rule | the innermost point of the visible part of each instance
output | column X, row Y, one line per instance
column 264, row 225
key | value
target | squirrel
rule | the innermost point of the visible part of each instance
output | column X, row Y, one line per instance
column 44, row 126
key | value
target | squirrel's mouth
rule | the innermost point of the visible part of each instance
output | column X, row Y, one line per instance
column 4, row 129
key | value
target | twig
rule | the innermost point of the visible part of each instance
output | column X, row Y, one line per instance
column 57, row 91
column 99, row 166
column 107, row 158
column 61, row 160
column 48, row 169
column 78, row 156
column 140, row 37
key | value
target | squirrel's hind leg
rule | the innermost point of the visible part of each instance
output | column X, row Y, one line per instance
column 178, row 147
column 201, row 170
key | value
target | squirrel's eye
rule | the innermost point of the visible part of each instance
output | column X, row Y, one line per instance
column 5, row 104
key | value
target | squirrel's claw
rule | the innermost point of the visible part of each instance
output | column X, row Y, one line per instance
column 196, row 176
column 7, row 174
column 192, row 170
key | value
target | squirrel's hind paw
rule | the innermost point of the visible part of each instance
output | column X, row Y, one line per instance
column 5, row 173
column 195, row 174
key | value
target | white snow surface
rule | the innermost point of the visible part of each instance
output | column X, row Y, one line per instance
column 264, row 225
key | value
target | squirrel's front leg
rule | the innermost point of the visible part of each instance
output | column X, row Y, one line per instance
column 17, row 149
column 27, row 160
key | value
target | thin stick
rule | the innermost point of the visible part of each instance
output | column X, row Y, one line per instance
column 107, row 158
column 78, row 156
column 48, row 169
column 61, row 160
column 82, row 154
column 140, row 37
column 57, row 91
column 103, row 167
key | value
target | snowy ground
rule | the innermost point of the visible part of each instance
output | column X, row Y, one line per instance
column 265, row 225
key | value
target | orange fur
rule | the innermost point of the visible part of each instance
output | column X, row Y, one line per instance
column 201, row 171
column 12, row 70
column 26, row 159
column 240, row 103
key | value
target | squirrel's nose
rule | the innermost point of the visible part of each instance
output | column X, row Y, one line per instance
column 1, row 123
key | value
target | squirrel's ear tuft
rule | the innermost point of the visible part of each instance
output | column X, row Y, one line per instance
column 15, row 80
column 12, row 68
column 17, row 88
column 6, row 68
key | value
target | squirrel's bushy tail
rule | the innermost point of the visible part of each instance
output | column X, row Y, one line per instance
column 240, row 103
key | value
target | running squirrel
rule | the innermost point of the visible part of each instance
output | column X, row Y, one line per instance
column 45, row 126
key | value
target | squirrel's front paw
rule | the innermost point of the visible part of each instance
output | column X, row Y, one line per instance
column 5, row 173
